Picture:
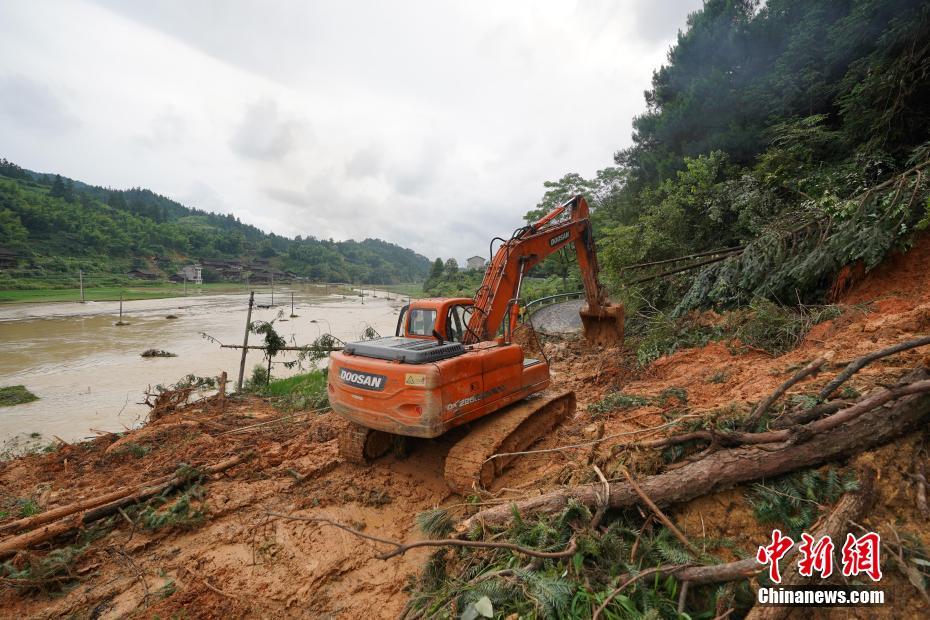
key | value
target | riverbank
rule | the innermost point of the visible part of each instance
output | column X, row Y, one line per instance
column 164, row 290
column 89, row 374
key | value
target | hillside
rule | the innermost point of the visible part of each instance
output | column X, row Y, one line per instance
column 798, row 128
column 51, row 226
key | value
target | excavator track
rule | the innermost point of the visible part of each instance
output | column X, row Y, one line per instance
column 513, row 429
column 358, row 444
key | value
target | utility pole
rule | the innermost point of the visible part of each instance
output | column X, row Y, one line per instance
column 81, row 276
column 292, row 305
column 272, row 286
column 245, row 341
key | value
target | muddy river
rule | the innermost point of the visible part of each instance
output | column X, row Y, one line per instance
column 88, row 372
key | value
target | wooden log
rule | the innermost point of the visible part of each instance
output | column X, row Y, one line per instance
column 76, row 515
column 726, row 468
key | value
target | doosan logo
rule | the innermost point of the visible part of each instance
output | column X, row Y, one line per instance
column 362, row 380
column 558, row 239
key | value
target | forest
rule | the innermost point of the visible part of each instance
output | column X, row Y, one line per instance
column 791, row 134
column 55, row 226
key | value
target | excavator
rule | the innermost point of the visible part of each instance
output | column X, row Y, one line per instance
column 454, row 362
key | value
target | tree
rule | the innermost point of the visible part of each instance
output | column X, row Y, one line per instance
column 58, row 188
column 435, row 274
column 452, row 267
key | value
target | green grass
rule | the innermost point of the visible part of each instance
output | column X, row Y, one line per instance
column 15, row 395
column 305, row 391
column 413, row 290
column 160, row 290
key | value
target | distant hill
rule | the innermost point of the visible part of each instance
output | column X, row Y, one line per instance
column 52, row 224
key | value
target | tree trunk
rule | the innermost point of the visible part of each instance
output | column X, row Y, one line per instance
column 726, row 468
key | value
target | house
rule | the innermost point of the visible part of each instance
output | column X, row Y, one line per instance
column 477, row 262
column 8, row 258
column 189, row 273
column 225, row 269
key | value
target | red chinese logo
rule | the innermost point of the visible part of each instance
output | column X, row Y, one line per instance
column 770, row 554
column 815, row 557
column 861, row 555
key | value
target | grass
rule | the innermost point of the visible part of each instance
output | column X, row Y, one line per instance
column 15, row 395
column 413, row 290
column 304, row 391
column 762, row 325
column 160, row 290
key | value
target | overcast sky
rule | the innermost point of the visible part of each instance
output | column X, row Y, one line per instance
column 430, row 124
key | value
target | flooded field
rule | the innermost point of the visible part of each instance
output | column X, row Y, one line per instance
column 88, row 373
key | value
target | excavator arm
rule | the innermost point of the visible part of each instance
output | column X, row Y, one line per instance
column 500, row 290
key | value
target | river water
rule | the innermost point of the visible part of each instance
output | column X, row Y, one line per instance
column 88, row 372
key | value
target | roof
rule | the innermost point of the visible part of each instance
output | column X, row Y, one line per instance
column 478, row 257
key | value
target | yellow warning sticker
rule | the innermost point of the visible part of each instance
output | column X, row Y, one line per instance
column 415, row 379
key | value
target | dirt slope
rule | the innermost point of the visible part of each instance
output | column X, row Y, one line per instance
column 241, row 561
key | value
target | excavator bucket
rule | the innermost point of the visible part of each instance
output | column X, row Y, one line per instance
column 603, row 327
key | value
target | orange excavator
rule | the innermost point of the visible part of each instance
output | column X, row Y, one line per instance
column 452, row 362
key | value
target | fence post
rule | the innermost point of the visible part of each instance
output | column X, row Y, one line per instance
column 245, row 341
column 81, row 276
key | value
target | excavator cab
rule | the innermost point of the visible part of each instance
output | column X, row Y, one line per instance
column 436, row 318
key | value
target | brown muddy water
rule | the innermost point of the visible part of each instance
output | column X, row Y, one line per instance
column 88, row 373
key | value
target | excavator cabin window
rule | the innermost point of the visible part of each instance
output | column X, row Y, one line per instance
column 422, row 321
column 457, row 322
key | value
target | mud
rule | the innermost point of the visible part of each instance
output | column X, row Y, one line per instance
column 241, row 561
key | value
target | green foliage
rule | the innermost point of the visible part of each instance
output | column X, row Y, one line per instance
column 187, row 511
column 435, row 523
column 766, row 127
column 15, row 395
column 616, row 401
column 763, row 325
column 259, row 379
column 28, row 507
column 54, row 223
column 136, row 450
column 793, row 502
column 777, row 329
column 49, row 573
column 472, row 580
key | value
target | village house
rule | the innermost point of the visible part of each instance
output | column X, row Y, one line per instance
column 477, row 262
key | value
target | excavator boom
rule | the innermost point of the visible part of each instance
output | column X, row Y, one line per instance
column 499, row 292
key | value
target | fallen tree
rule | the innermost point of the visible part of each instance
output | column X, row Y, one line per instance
column 838, row 436
column 60, row 521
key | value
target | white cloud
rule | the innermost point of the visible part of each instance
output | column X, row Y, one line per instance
column 432, row 125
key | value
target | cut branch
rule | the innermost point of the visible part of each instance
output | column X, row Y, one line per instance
column 795, row 433
column 661, row 515
column 858, row 364
column 402, row 548
column 811, row 369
